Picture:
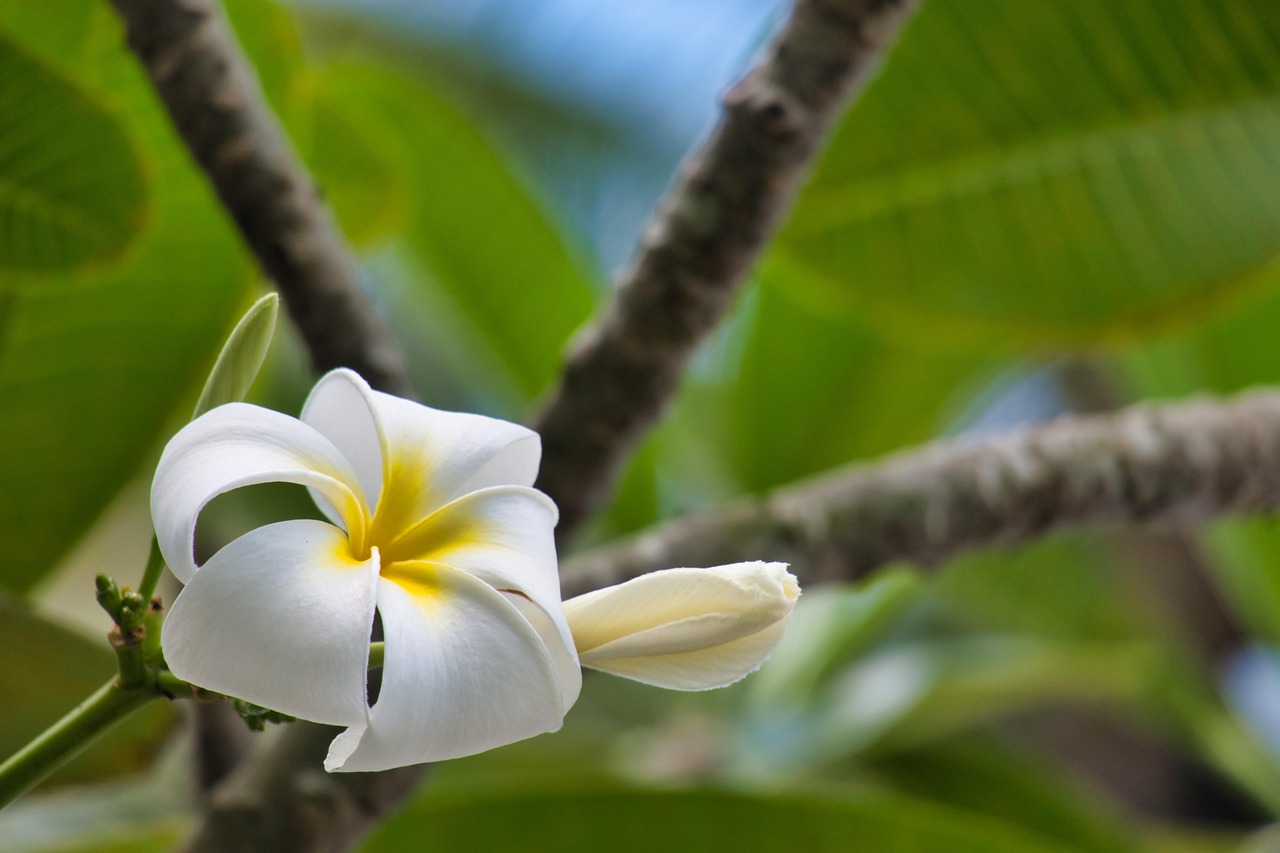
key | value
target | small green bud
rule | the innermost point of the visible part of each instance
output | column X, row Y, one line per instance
column 108, row 595
column 256, row 717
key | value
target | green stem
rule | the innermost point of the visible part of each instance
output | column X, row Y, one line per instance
column 151, row 576
column 67, row 737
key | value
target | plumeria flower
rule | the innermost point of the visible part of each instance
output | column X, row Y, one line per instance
column 435, row 527
column 433, row 524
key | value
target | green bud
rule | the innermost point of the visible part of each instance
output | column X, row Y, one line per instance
column 108, row 595
column 241, row 357
column 256, row 717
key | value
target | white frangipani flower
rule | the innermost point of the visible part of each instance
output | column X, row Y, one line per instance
column 685, row 629
column 434, row 525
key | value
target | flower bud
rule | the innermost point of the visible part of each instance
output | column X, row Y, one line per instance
column 686, row 629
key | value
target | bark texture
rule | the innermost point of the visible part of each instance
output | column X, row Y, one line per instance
column 729, row 198
column 216, row 104
column 280, row 799
column 283, row 801
column 1175, row 465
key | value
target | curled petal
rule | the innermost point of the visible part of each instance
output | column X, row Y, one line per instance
column 503, row 535
column 559, row 646
column 414, row 458
column 463, row 672
column 241, row 445
column 687, row 629
column 280, row 617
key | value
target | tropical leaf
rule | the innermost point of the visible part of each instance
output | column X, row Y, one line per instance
column 623, row 821
column 89, row 373
column 477, row 233
column 73, row 191
column 812, row 391
column 1035, row 174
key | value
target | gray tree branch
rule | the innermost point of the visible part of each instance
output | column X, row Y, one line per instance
column 213, row 97
column 280, row 799
column 731, row 195
column 1176, row 465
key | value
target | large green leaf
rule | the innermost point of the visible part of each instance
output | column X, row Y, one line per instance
column 44, row 673
column 812, row 391
column 475, row 229
column 1066, row 587
column 985, row 776
column 623, row 821
column 1052, row 172
column 358, row 162
column 89, row 373
column 72, row 188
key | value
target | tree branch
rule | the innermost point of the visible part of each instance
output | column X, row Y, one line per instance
column 701, row 243
column 1177, row 464
column 283, row 801
column 214, row 100
column 279, row 800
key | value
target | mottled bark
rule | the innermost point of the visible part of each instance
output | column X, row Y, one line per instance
column 217, row 106
column 283, row 801
column 730, row 197
column 1176, row 465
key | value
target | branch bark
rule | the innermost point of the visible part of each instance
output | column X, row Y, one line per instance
column 701, row 243
column 280, row 799
column 214, row 100
column 1177, row 465
column 283, row 801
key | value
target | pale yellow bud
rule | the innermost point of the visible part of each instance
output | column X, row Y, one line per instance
column 686, row 629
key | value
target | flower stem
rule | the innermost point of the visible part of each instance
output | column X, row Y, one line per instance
column 151, row 576
column 69, row 736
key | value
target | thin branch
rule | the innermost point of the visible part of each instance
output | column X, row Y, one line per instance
column 280, row 799
column 215, row 102
column 1178, row 464
column 699, row 247
column 283, row 801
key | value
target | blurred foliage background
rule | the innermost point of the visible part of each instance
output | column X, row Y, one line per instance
column 1034, row 208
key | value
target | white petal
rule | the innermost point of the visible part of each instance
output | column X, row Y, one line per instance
column 687, row 629
column 426, row 457
column 505, row 536
column 463, row 672
column 702, row 669
column 280, row 617
column 239, row 445
column 557, row 642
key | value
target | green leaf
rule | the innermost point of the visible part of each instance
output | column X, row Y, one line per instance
column 985, row 776
column 1024, row 174
column 623, row 821
column 356, row 159
column 1064, row 587
column 832, row 625
column 44, row 673
column 478, row 234
column 916, row 693
column 812, row 391
column 89, row 373
column 241, row 357
column 73, row 191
